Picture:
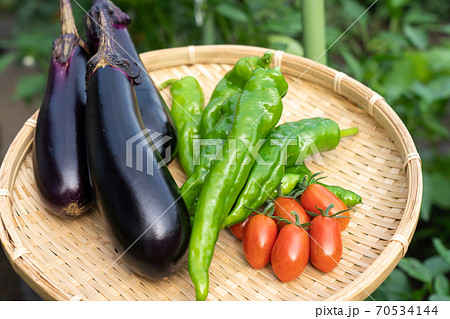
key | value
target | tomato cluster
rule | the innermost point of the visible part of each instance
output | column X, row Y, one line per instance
column 288, row 238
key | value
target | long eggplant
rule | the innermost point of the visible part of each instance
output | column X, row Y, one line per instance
column 154, row 111
column 59, row 147
column 146, row 217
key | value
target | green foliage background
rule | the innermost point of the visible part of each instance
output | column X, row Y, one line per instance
column 399, row 48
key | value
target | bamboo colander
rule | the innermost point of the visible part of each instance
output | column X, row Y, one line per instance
column 72, row 259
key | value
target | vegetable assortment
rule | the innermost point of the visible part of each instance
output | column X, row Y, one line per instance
column 299, row 238
column 95, row 105
column 91, row 110
column 217, row 120
column 221, row 194
column 258, row 111
column 289, row 143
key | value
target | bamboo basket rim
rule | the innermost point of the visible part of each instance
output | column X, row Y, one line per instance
column 27, row 265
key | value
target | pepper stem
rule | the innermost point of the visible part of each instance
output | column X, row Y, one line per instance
column 67, row 20
column 348, row 132
column 167, row 83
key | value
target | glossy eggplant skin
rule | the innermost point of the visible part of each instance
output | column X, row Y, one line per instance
column 154, row 111
column 59, row 148
column 146, row 217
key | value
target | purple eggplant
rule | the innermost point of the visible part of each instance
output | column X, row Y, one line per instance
column 59, row 147
column 144, row 213
column 154, row 111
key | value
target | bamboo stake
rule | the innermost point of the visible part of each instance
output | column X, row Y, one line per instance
column 314, row 30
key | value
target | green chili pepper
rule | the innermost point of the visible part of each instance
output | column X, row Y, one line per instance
column 193, row 185
column 187, row 108
column 288, row 144
column 288, row 183
column 233, row 82
column 348, row 197
column 300, row 170
column 217, row 121
column 293, row 175
column 258, row 111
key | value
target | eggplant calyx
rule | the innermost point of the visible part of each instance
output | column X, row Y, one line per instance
column 63, row 47
column 107, row 54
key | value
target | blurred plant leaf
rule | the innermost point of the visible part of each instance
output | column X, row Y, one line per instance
column 289, row 25
column 442, row 250
column 397, row 3
column 438, row 59
column 353, row 10
column 415, row 269
column 285, row 43
column 441, row 285
column 355, row 67
column 395, row 287
column 6, row 60
column 418, row 37
column 416, row 16
column 418, row 294
column 434, row 125
column 399, row 79
column 441, row 191
column 30, row 86
column 387, row 41
column 436, row 265
column 427, row 198
column 233, row 13
column 436, row 297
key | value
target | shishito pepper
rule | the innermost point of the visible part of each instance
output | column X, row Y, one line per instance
column 214, row 142
column 217, row 121
column 288, row 144
column 187, row 109
column 233, row 82
column 349, row 197
column 258, row 111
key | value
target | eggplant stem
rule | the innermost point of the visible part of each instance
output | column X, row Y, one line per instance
column 67, row 20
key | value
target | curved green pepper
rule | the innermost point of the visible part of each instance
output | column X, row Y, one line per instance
column 348, row 197
column 233, row 82
column 187, row 109
column 258, row 111
column 288, row 144
column 288, row 184
column 217, row 121
column 213, row 144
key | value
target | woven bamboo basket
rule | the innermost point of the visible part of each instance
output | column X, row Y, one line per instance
column 72, row 259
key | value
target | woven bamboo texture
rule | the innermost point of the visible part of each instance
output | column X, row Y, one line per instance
column 64, row 259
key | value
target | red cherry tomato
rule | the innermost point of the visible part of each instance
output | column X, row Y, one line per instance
column 258, row 240
column 318, row 195
column 325, row 244
column 238, row 229
column 283, row 208
column 290, row 253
